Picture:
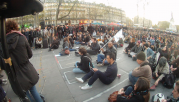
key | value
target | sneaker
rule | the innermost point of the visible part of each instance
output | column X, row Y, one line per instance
column 86, row 87
column 100, row 64
column 80, row 80
column 4, row 80
column 153, row 87
column 4, row 83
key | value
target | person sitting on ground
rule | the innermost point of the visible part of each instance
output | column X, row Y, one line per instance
column 175, row 67
column 55, row 44
column 105, row 40
column 86, row 39
column 120, row 42
column 83, row 65
column 135, row 50
column 174, row 97
column 153, row 48
column 164, row 52
column 148, row 52
column 114, row 43
column 127, row 39
column 135, row 93
column 67, row 44
column 160, row 71
column 129, row 47
column 101, row 58
column 143, row 71
column 142, row 45
column 38, row 43
column 106, row 77
column 94, row 47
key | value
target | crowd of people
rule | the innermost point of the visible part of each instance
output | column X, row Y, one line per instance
column 144, row 46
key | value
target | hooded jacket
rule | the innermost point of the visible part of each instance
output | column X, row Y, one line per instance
column 20, row 53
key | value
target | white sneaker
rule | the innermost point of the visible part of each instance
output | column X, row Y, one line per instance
column 100, row 64
column 4, row 80
column 80, row 80
column 86, row 87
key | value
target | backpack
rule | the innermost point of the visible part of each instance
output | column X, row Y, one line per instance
column 168, row 80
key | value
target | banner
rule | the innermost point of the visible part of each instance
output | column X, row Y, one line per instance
column 118, row 35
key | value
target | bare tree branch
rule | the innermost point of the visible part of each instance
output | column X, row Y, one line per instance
column 69, row 11
column 58, row 10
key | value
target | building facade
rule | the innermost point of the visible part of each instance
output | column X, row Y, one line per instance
column 81, row 13
column 142, row 22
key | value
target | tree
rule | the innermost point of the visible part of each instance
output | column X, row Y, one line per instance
column 129, row 22
column 154, row 26
column 163, row 25
column 58, row 9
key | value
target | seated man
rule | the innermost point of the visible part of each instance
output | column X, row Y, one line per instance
column 94, row 47
column 101, row 58
column 55, row 44
column 161, row 70
column 83, row 65
column 120, row 42
column 106, row 77
column 135, row 50
column 148, row 52
column 143, row 71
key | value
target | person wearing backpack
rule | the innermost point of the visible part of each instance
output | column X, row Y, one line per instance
column 83, row 65
column 161, row 70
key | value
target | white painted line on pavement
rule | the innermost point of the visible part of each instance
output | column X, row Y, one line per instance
column 67, row 78
column 98, row 95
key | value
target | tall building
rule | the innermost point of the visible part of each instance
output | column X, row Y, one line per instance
column 82, row 12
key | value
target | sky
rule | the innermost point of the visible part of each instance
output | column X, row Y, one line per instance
column 155, row 10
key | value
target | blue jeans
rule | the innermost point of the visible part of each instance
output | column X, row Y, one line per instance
column 72, row 49
column 77, row 70
column 35, row 95
column 76, row 42
column 132, row 78
column 100, row 59
column 128, row 91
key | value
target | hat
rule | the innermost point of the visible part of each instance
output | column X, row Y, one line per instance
column 141, row 56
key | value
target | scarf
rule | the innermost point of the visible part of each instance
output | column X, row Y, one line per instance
column 134, row 93
column 14, row 31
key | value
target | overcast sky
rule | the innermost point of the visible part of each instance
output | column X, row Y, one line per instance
column 156, row 10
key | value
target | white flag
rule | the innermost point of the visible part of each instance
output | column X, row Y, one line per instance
column 118, row 35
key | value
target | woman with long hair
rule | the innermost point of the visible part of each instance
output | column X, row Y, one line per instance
column 20, row 52
column 137, row 93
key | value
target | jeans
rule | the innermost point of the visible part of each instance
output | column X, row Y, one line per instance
column 132, row 78
column 94, row 76
column 35, row 95
column 72, row 49
column 77, row 70
column 100, row 59
column 128, row 91
column 76, row 42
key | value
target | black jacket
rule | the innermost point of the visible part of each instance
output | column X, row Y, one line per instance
column 95, row 47
column 20, row 52
column 111, row 50
column 84, row 64
column 134, row 98
column 131, row 45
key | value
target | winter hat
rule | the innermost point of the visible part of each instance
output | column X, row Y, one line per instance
column 162, row 61
column 141, row 56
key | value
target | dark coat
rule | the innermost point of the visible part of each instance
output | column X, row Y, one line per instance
column 84, row 64
column 134, row 98
column 95, row 47
column 20, row 52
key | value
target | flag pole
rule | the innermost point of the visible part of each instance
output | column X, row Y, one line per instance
column 109, row 40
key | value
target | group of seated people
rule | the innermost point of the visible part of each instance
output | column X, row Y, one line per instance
column 141, row 51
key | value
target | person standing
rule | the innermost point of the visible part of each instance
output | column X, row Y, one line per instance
column 20, row 52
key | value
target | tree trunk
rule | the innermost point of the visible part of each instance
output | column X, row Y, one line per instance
column 57, row 11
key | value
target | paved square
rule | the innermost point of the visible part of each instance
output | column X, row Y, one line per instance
column 57, row 81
